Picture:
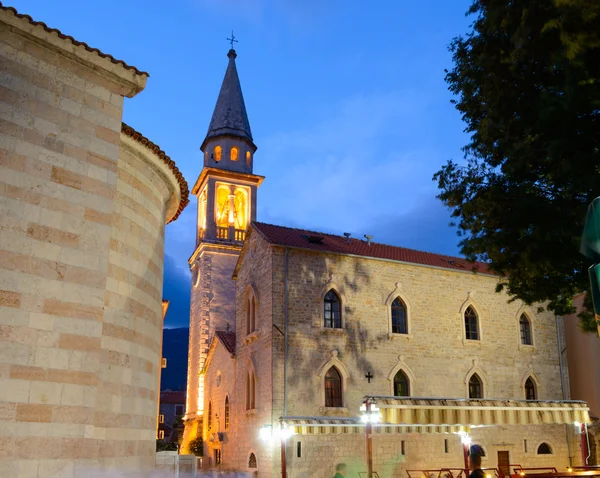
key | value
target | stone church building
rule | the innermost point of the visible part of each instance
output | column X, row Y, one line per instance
column 293, row 332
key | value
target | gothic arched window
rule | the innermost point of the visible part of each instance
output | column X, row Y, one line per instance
column 530, row 392
column 250, row 313
column 471, row 324
column 399, row 323
column 401, row 385
column 525, row 327
column 332, row 310
column 218, row 151
column 250, row 390
column 252, row 461
column 333, row 388
column 248, row 157
column 209, row 419
column 227, row 413
column 233, row 155
column 475, row 387
column 544, row 449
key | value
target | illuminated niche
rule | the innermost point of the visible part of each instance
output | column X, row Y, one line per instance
column 248, row 157
column 218, row 151
column 234, row 154
column 202, row 212
column 231, row 209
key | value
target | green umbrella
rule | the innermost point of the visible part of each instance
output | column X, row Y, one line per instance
column 590, row 248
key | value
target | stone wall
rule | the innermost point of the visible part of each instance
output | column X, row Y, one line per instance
column 81, row 260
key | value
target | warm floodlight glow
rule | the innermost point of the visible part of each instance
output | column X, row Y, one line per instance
column 286, row 432
column 265, row 433
column 569, row 470
column 465, row 439
column 577, row 424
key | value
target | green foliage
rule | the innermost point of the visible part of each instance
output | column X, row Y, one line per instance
column 527, row 80
column 196, row 446
column 162, row 445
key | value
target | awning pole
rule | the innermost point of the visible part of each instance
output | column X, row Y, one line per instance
column 585, row 452
column 466, row 457
column 368, row 429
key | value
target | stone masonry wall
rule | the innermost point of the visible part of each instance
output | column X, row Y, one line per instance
column 81, row 262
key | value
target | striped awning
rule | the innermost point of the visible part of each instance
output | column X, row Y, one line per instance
column 334, row 425
column 467, row 412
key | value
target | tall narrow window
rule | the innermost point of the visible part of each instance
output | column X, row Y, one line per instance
column 530, row 390
column 218, row 152
column 525, row 327
column 248, row 157
column 253, row 315
column 209, row 419
column 475, row 387
column 226, row 413
column 401, row 385
column 333, row 388
column 471, row 324
column 332, row 310
column 250, row 390
column 234, row 154
column 399, row 325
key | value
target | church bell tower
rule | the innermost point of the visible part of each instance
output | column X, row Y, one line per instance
column 226, row 192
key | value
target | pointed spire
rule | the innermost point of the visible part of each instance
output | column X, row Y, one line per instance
column 230, row 117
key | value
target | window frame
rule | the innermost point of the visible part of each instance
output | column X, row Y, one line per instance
column 467, row 326
column 402, row 306
column 402, row 373
column 334, row 400
column 534, row 387
column 226, row 414
column 480, row 383
column 209, row 418
column 339, row 322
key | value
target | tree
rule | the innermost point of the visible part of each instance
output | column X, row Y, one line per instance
column 527, row 81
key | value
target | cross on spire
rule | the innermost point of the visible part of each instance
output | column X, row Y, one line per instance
column 232, row 40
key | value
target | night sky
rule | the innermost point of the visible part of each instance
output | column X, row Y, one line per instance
column 348, row 106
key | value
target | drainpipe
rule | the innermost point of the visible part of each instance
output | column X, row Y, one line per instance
column 562, row 385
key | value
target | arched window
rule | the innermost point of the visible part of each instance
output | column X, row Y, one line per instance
column 250, row 314
column 399, row 324
column 218, row 151
column 226, row 413
column 475, row 387
column 471, row 324
column 209, row 419
column 233, row 155
column 401, row 385
column 333, row 388
column 332, row 310
column 248, row 157
column 525, row 327
column 252, row 461
column 250, row 390
column 544, row 449
column 530, row 390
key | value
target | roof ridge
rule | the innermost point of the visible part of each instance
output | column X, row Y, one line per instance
column 71, row 39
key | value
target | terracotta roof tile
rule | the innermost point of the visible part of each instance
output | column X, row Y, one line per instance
column 318, row 241
column 227, row 339
column 185, row 192
column 71, row 39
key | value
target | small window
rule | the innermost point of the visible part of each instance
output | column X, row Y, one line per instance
column 475, row 387
column 544, row 449
column 250, row 314
column 252, row 461
column 234, row 154
column 299, row 449
column 401, row 385
column 333, row 388
column 209, row 419
column 402, row 448
column 178, row 410
column 226, row 413
column 218, row 151
column 525, row 446
column 248, row 157
column 445, row 445
column 399, row 325
column 471, row 324
column 530, row 390
column 332, row 310
column 525, row 327
column 161, row 434
column 217, row 456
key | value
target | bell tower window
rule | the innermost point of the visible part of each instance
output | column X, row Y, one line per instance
column 248, row 157
column 218, row 151
column 234, row 154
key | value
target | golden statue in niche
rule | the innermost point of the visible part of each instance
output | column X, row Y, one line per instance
column 231, row 209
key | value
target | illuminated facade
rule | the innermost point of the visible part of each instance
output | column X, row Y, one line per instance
column 226, row 191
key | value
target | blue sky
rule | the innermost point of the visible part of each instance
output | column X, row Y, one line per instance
column 348, row 106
